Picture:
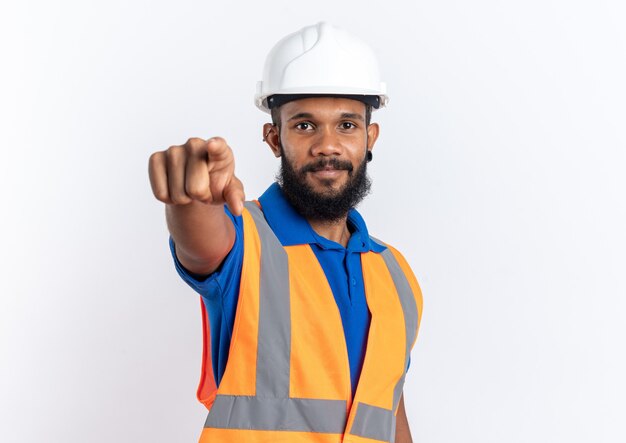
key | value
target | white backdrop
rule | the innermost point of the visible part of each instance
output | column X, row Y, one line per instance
column 499, row 173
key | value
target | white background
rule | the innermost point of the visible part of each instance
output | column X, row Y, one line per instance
column 499, row 174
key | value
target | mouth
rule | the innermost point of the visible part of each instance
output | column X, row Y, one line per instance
column 332, row 165
column 328, row 172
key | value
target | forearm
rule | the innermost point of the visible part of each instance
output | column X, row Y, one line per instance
column 203, row 235
column 403, row 433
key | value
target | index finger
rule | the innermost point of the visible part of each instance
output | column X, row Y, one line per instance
column 234, row 196
column 217, row 148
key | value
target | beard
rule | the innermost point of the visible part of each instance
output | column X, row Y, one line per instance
column 332, row 205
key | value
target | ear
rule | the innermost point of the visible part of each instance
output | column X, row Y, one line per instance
column 372, row 135
column 271, row 137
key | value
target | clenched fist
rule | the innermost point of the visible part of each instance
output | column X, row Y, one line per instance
column 200, row 170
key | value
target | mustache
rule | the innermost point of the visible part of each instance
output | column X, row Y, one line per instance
column 331, row 163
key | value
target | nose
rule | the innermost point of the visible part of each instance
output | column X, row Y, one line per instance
column 327, row 143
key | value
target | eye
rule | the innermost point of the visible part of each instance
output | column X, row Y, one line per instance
column 304, row 126
column 347, row 125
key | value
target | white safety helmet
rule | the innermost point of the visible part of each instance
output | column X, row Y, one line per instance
column 320, row 60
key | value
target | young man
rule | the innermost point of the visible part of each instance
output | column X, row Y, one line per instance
column 311, row 321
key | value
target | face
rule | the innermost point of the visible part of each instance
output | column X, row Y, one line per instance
column 322, row 144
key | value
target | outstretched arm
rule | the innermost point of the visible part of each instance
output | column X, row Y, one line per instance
column 194, row 181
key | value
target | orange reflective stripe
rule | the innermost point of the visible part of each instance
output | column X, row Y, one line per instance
column 383, row 365
column 206, row 388
column 385, row 354
column 256, row 436
column 238, row 378
column 319, row 358
column 377, row 420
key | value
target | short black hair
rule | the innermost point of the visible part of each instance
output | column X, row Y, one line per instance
column 276, row 115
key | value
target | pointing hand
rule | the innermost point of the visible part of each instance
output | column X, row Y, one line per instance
column 200, row 170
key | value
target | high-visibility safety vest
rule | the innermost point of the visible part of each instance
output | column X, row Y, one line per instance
column 287, row 379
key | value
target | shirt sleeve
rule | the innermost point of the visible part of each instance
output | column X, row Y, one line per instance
column 220, row 293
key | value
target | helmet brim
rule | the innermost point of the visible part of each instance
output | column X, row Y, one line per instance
column 277, row 100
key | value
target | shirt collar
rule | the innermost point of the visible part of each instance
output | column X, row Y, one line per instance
column 291, row 228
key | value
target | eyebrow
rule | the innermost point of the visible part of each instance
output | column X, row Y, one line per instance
column 352, row 115
column 309, row 115
column 300, row 115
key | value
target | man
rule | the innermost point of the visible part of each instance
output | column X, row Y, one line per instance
column 311, row 321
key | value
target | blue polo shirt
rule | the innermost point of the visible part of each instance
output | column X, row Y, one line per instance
column 342, row 267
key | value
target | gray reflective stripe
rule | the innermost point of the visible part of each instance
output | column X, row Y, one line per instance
column 373, row 422
column 280, row 414
column 409, row 308
column 274, row 336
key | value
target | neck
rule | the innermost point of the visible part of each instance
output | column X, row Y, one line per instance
column 336, row 231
